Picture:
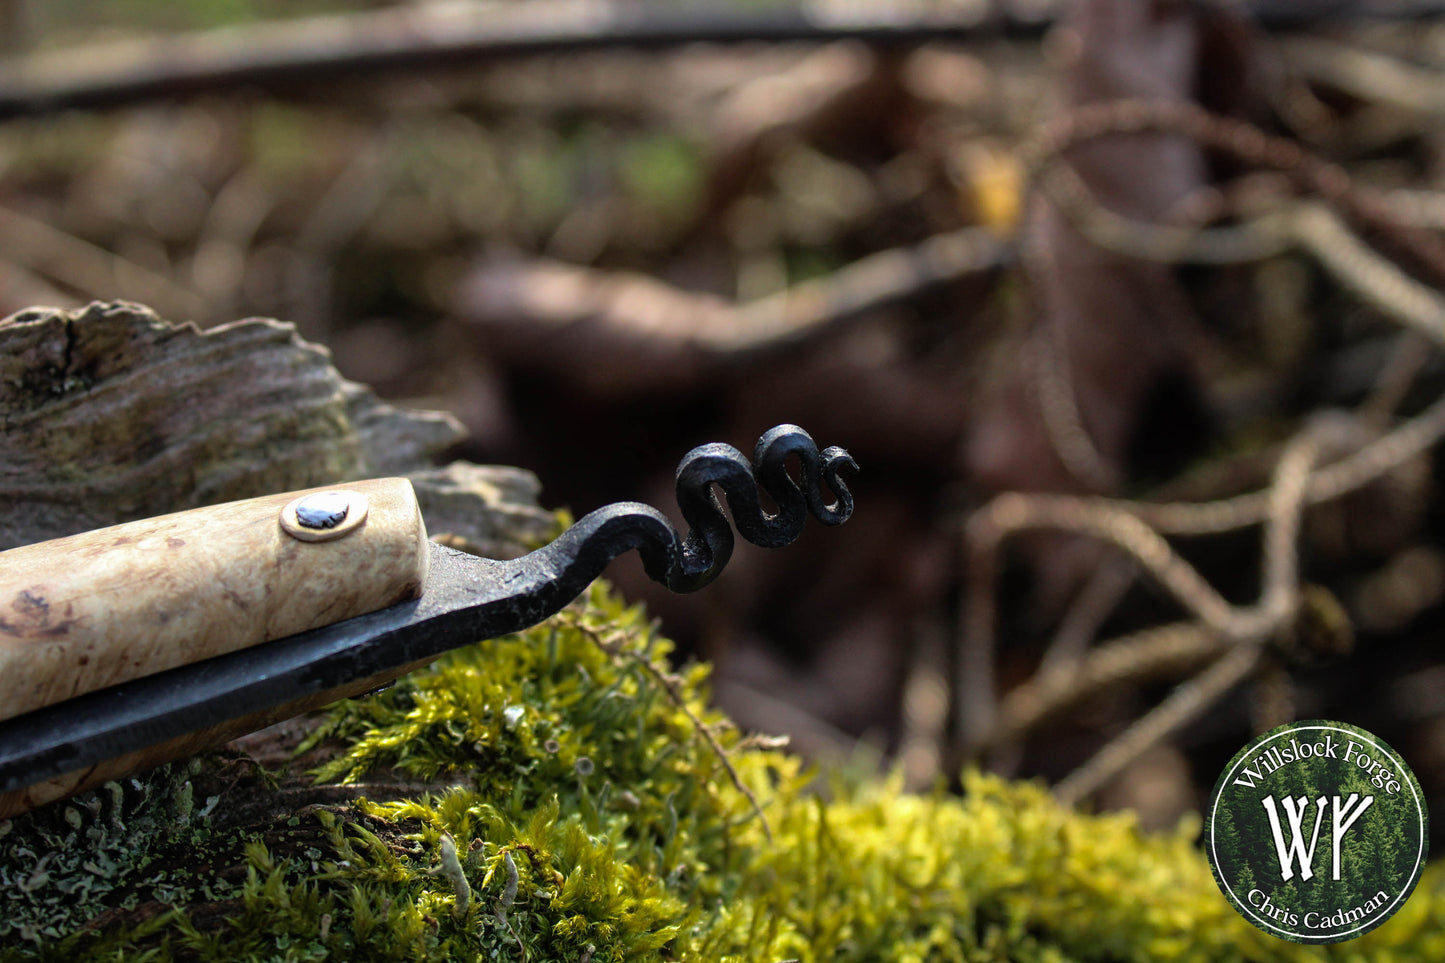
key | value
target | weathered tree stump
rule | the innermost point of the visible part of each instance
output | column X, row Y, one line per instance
column 109, row 414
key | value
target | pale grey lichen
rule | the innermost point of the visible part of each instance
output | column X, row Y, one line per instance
column 451, row 868
column 63, row 866
column 512, row 716
column 509, row 893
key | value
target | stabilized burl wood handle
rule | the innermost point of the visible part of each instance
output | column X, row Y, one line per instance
column 96, row 609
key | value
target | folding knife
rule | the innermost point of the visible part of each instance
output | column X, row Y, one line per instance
column 129, row 646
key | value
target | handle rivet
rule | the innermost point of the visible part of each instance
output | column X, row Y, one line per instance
column 323, row 516
column 322, row 510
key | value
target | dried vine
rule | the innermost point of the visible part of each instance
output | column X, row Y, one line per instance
column 1332, row 456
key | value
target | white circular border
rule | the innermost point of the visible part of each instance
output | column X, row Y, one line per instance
column 1291, row 729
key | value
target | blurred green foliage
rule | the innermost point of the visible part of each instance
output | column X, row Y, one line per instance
column 662, row 170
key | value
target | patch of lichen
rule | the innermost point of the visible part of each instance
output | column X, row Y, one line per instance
column 581, row 816
column 125, row 845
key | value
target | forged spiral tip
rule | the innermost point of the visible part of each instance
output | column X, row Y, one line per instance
column 687, row 563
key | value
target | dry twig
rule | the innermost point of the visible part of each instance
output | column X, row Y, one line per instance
column 1233, row 639
column 1370, row 76
column 558, row 295
column 1094, row 603
column 1274, row 613
column 1236, row 138
column 282, row 55
column 1156, row 653
column 1308, row 225
column 1183, row 705
column 1408, row 357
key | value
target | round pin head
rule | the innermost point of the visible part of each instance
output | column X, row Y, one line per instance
column 322, row 510
column 323, row 516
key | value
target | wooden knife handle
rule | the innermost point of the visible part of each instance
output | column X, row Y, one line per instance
column 95, row 609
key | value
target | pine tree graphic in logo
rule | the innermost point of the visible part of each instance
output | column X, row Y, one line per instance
column 1317, row 832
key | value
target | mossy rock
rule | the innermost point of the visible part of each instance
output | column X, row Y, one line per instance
column 550, row 796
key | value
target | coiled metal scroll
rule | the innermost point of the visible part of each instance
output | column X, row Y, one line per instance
column 687, row 563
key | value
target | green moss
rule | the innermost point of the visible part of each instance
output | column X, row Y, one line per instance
column 581, row 816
